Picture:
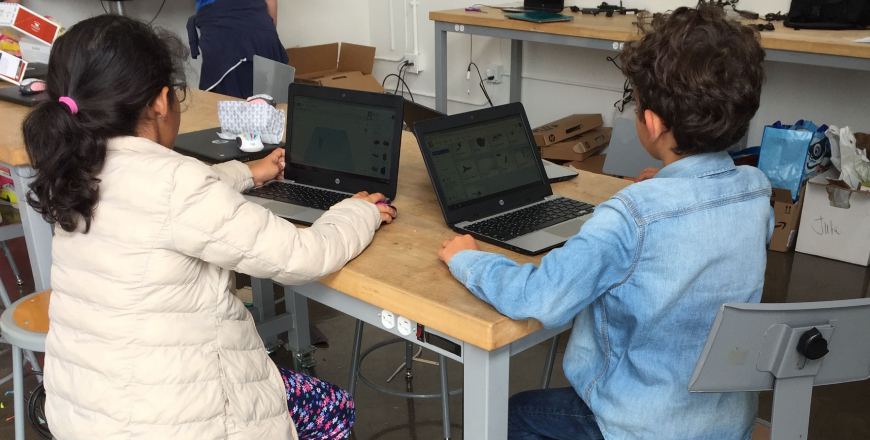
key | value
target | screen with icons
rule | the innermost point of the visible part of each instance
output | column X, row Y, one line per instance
column 483, row 159
column 341, row 136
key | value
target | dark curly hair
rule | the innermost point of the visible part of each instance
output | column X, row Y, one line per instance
column 113, row 68
column 701, row 73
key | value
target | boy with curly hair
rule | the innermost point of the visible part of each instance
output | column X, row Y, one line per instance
column 645, row 277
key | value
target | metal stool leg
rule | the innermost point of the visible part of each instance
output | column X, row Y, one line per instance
column 551, row 359
column 445, row 396
column 354, row 360
column 7, row 302
column 409, row 360
column 13, row 266
column 18, row 389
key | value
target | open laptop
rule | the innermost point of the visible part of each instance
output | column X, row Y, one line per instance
column 339, row 142
column 272, row 78
column 625, row 155
column 416, row 112
column 490, row 181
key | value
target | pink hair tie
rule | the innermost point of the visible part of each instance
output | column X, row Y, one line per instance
column 73, row 107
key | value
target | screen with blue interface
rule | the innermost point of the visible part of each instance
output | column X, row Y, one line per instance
column 339, row 136
column 482, row 159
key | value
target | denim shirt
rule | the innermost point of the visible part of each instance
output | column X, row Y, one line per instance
column 643, row 281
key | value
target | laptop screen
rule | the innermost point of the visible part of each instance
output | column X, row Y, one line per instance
column 482, row 160
column 342, row 137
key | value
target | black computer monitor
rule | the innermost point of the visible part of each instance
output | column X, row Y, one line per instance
column 544, row 5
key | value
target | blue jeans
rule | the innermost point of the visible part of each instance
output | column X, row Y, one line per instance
column 555, row 414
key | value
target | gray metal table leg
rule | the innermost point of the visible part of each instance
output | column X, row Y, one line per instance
column 441, row 67
column 263, row 293
column 445, row 396
column 37, row 232
column 485, row 399
column 551, row 359
column 300, row 334
column 516, row 70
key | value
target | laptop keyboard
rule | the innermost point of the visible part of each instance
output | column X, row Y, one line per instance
column 533, row 218
column 298, row 195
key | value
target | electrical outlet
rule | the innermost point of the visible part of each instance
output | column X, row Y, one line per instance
column 496, row 72
column 416, row 68
column 404, row 326
column 388, row 319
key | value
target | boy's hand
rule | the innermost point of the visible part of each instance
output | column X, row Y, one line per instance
column 646, row 174
column 269, row 168
column 452, row 246
column 388, row 213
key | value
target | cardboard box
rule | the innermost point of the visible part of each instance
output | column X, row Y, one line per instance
column 594, row 164
column 565, row 128
column 836, row 221
column 353, row 70
column 35, row 35
column 578, row 148
column 787, row 217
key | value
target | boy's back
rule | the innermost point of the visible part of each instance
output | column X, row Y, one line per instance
column 700, row 230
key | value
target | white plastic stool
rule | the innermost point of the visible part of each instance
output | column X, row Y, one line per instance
column 21, row 339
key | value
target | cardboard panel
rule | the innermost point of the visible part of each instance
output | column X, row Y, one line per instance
column 835, row 222
column 568, row 127
column 313, row 58
column 354, row 57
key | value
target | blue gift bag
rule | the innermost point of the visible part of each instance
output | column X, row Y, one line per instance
column 791, row 155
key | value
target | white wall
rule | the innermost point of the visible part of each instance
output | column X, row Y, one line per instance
column 562, row 80
column 556, row 80
column 173, row 17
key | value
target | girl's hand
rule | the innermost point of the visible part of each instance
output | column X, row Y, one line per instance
column 388, row 213
column 453, row 246
column 269, row 168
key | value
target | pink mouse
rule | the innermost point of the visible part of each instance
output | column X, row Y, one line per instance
column 31, row 86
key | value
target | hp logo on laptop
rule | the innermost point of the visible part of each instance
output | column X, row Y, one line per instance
column 501, row 202
column 337, row 181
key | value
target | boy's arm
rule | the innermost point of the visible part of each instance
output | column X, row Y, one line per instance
column 600, row 257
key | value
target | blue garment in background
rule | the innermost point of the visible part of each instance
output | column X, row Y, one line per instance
column 230, row 31
column 643, row 281
column 201, row 3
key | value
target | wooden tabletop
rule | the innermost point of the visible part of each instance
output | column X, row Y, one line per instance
column 623, row 28
column 401, row 272
column 199, row 111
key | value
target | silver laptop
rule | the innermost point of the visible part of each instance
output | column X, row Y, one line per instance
column 339, row 142
column 490, row 181
column 272, row 78
column 625, row 155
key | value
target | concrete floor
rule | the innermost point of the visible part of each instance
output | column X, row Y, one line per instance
column 839, row 412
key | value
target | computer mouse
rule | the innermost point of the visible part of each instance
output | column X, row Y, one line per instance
column 250, row 142
column 31, row 86
column 262, row 99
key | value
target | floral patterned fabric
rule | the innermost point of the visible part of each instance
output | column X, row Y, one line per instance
column 320, row 410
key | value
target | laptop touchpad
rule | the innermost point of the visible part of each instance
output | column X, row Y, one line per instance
column 567, row 229
column 285, row 210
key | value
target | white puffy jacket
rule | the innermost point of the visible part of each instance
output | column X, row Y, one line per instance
column 147, row 340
